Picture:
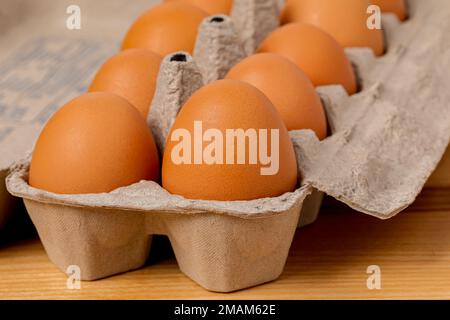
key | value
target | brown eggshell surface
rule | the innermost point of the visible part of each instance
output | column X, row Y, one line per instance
column 132, row 75
column 210, row 6
column 222, row 105
column 96, row 143
column 397, row 7
column 345, row 20
column 166, row 28
column 315, row 52
column 287, row 87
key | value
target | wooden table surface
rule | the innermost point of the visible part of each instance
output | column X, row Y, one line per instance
column 327, row 260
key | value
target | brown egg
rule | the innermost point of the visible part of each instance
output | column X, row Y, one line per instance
column 96, row 143
column 166, row 28
column 345, row 20
column 315, row 52
column 203, row 159
column 132, row 75
column 210, row 6
column 287, row 87
column 393, row 6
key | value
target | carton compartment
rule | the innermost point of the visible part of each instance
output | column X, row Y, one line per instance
column 223, row 246
column 377, row 160
column 100, row 242
column 227, row 253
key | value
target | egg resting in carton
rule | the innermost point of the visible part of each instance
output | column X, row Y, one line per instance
column 43, row 64
column 218, row 244
column 381, row 152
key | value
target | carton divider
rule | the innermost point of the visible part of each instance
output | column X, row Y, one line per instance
column 381, row 152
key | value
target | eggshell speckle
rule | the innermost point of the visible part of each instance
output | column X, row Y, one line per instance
column 345, row 20
column 222, row 105
column 132, row 75
column 287, row 87
column 166, row 28
column 315, row 52
column 210, row 6
column 96, row 143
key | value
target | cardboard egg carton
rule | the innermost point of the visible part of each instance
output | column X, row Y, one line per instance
column 223, row 246
column 44, row 64
column 382, row 150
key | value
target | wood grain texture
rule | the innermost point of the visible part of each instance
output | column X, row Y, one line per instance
column 441, row 176
column 328, row 260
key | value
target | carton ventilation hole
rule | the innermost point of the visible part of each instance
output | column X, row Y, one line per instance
column 216, row 19
column 179, row 57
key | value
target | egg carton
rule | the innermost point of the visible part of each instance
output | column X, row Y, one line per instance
column 377, row 160
column 28, row 43
column 223, row 246
column 385, row 101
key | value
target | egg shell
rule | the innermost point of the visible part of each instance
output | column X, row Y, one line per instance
column 205, row 229
column 315, row 52
column 345, row 20
column 287, row 87
column 222, row 105
column 96, row 143
column 397, row 7
column 166, row 28
column 130, row 74
column 209, row 6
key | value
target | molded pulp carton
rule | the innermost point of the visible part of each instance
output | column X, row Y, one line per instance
column 385, row 143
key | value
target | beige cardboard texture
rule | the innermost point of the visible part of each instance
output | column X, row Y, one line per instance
column 255, row 20
column 378, row 158
column 224, row 246
column 44, row 64
column 391, row 136
column 178, row 78
column 217, row 48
